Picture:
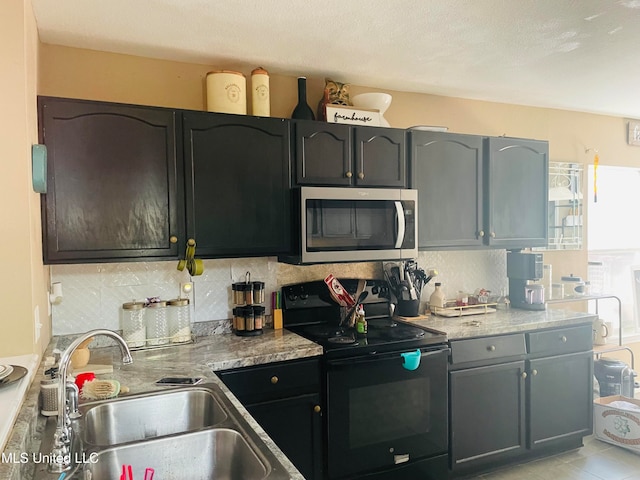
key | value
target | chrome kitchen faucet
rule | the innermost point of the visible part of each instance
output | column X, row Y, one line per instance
column 61, row 452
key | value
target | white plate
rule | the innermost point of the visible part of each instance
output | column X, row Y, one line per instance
column 427, row 128
column 5, row 371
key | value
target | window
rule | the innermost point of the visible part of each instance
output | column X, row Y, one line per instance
column 613, row 234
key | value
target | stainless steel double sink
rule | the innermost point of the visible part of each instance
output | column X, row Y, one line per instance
column 190, row 433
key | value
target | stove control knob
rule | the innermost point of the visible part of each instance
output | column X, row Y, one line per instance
column 304, row 296
column 375, row 290
column 293, row 297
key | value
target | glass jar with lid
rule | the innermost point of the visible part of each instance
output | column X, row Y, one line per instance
column 157, row 324
column 258, row 293
column 134, row 330
column 179, row 318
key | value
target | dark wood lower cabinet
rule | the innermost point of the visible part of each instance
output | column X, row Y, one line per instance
column 284, row 398
column 295, row 425
column 560, row 402
column 533, row 401
column 487, row 414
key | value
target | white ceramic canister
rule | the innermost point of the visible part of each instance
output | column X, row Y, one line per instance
column 260, row 101
column 227, row 92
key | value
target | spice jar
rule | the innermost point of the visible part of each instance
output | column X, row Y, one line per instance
column 258, row 317
column 157, row 324
column 238, row 319
column 258, row 293
column 179, row 317
column 248, row 293
column 239, row 293
column 133, row 326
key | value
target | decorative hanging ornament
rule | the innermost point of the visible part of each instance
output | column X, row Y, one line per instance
column 596, row 161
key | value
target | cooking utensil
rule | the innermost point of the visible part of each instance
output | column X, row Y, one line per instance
column 351, row 313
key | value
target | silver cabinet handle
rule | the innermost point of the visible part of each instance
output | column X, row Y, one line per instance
column 492, row 234
column 348, row 174
column 523, row 374
column 534, row 372
column 563, row 339
column 491, row 348
column 361, row 175
column 481, row 233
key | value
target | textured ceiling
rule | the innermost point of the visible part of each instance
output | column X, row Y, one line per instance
column 571, row 54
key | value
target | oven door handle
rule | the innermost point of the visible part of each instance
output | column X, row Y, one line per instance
column 375, row 357
column 401, row 228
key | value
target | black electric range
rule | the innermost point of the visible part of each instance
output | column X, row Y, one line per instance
column 383, row 418
column 309, row 311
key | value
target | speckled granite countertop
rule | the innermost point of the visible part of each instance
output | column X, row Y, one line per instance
column 208, row 354
column 512, row 320
column 224, row 351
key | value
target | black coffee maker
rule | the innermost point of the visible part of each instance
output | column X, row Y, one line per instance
column 523, row 270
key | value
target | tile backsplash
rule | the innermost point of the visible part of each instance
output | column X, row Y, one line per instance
column 94, row 293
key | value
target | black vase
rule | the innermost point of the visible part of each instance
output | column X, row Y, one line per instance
column 303, row 110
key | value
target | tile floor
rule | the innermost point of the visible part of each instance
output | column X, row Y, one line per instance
column 597, row 460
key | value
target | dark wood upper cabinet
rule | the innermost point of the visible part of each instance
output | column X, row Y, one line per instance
column 517, row 189
column 323, row 153
column 114, row 181
column 238, row 182
column 447, row 172
column 343, row 155
column 380, row 157
column 480, row 191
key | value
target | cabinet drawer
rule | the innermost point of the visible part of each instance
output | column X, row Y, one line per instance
column 487, row 348
column 272, row 381
column 561, row 340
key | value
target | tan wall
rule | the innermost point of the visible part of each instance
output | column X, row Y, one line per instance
column 95, row 75
column 24, row 279
column 103, row 76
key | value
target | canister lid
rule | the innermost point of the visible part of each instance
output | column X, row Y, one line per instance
column 241, row 287
column 178, row 302
column 258, row 310
column 133, row 306
column 157, row 304
column 226, row 71
column 258, row 285
column 259, row 71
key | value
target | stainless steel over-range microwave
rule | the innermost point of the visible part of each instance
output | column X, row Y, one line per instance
column 337, row 224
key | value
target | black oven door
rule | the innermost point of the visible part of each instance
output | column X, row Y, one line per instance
column 380, row 414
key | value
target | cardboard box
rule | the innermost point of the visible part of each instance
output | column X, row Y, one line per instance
column 618, row 426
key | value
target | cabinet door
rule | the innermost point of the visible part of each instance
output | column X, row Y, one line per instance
column 114, row 182
column 516, row 205
column 487, row 414
column 296, row 427
column 380, row 157
column 323, row 153
column 447, row 172
column 560, row 401
column 238, row 180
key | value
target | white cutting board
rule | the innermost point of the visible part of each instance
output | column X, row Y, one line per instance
column 12, row 396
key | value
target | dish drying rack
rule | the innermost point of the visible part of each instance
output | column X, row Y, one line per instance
column 453, row 310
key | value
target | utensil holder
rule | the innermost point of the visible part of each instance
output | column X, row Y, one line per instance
column 407, row 308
